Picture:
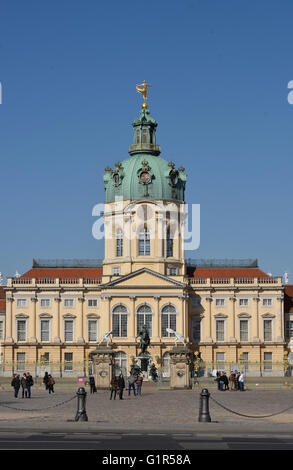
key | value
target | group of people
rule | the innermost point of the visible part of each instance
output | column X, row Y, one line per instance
column 234, row 382
column 49, row 382
column 25, row 382
column 118, row 385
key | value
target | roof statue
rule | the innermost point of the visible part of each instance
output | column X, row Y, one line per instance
column 178, row 337
column 286, row 278
column 144, row 92
column 106, row 337
column 17, row 275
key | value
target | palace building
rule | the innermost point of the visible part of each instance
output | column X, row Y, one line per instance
column 56, row 313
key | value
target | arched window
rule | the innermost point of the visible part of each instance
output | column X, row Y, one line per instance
column 169, row 243
column 168, row 320
column 144, row 246
column 119, row 242
column 120, row 363
column 144, row 136
column 119, row 321
column 137, row 138
column 144, row 317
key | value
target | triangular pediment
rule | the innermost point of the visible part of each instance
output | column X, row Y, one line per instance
column 144, row 278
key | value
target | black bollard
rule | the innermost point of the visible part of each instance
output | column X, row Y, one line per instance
column 204, row 414
column 81, row 411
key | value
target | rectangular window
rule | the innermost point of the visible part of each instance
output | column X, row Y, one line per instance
column 243, row 330
column 195, row 300
column 68, row 361
column 1, row 329
column 45, row 303
column 267, row 328
column 289, row 329
column 243, row 302
column 45, row 330
column 220, row 330
column 244, row 361
column 196, row 331
column 268, row 361
column 92, row 330
column 119, row 246
column 92, row 303
column 116, row 271
column 173, row 271
column 68, row 303
column 168, row 321
column 21, row 330
column 220, row 302
column 20, row 361
column 68, row 330
column 120, row 325
column 169, row 247
column 21, row 303
column 267, row 302
column 220, row 360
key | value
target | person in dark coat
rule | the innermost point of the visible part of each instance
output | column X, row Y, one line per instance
column 23, row 385
column 114, row 386
column 29, row 384
column 121, row 385
column 15, row 383
column 51, row 384
column 92, row 384
column 46, row 380
column 226, row 381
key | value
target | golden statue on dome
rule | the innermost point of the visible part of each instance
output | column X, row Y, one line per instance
column 144, row 92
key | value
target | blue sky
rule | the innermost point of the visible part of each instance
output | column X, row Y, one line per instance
column 219, row 73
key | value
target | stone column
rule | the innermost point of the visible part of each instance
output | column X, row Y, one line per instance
column 132, row 319
column 80, row 339
column 103, row 361
column 33, row 338
column 108, row 322
column 57, row 339
column 256, row 338
column 281, row 336
column 156, row 322
column 209, row 338
column 8, row 322
column 180, row 364
column 233, row 338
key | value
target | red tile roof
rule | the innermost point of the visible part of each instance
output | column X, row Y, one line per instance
column 64, row 272
column 226, row 272
column 288, row 298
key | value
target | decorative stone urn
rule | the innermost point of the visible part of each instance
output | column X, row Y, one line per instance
column 180, row 365
column 103, row 360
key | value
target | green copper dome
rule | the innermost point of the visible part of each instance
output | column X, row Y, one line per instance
column 144, row 173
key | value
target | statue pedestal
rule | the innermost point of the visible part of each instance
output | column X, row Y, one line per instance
column 180, row 365
column 103, row 360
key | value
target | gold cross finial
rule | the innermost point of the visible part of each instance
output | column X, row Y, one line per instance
column 144, row 92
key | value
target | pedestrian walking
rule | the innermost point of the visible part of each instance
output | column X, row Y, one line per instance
column 131, row 384
column 121, row 385
column 241, row 382
column 114, row 387
column 46, row 380
column 139, row 384
column 231, row 380
column 92, row 384
column 51, row 384
column 23, row 385
column 29, row 384
column 15, row 383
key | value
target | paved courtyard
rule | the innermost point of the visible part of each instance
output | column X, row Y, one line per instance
column 165, row 408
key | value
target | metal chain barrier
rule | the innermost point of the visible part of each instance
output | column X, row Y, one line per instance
column 250, row 416
column 39, row 409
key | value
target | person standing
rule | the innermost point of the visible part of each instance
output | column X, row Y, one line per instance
column 15, row 384
column 121, row 385
column 23, row 385
column 29, row 384
column 241, row 382
column 51, row 384
column 92, row 384
column 236, row 384
column 114, row 386
column 139, row 384
column 225, row 381
column 131, row 384
column 46, row 380
column 231, row 380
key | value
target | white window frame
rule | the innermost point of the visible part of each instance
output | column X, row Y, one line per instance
column 224, row 321
column 21, row 320
column 222, row 303
column 116, row 270
column 175, row 268
column 48, row 320
column 267, row 299
column 88, row 330
column 248, row 329
column 67, row 300
column 73, row 329
column 245, row 304
column 18, row 361
column 19, row 301
column 92, row 300
column 49, row 301
column 68, row 362
column 272, row 329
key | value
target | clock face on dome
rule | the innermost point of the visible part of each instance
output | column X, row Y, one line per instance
column 144, row 177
